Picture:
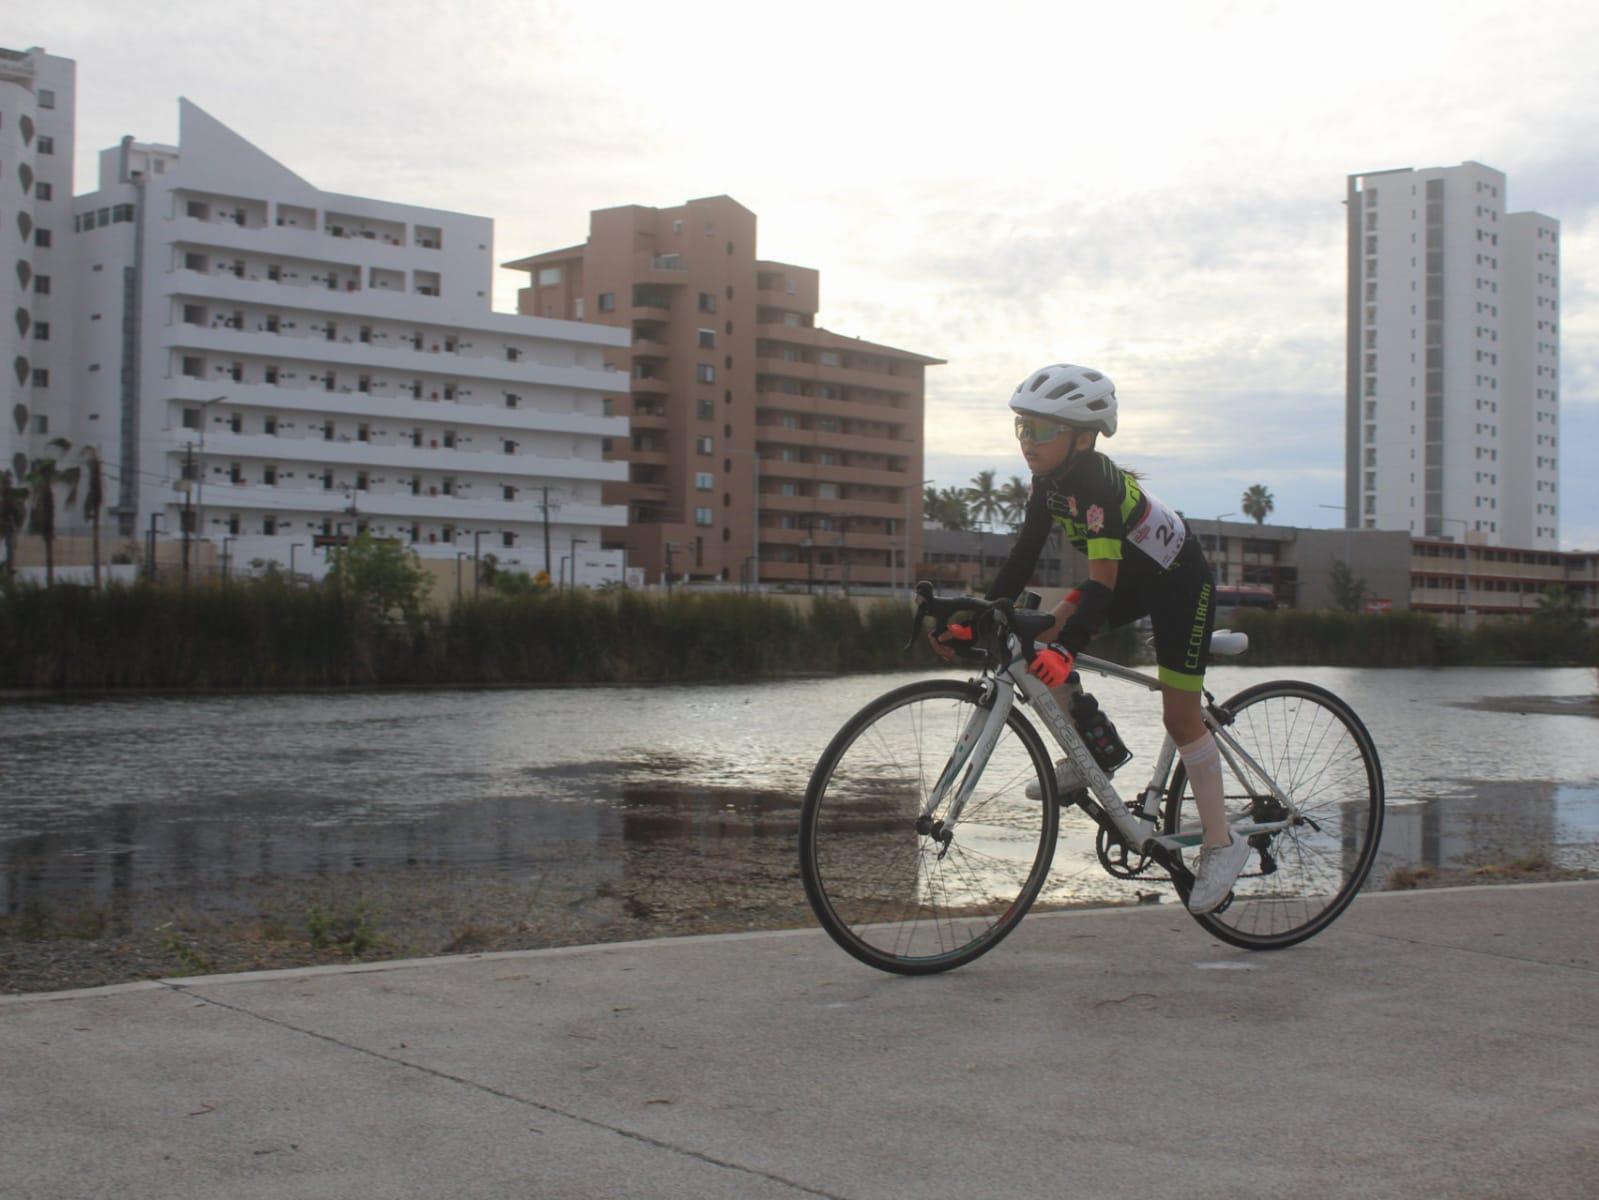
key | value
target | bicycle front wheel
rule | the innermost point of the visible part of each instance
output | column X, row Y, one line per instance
column 1320, row 756
column 880, row 878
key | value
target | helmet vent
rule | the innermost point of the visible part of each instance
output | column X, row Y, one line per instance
column 1097, row 406
column 1038, row 382
column 1092, row 376
column 1065, row 389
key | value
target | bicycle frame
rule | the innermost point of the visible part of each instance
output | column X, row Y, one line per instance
column 1137, row 829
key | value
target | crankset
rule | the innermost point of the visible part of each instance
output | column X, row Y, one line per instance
column 1119, row 859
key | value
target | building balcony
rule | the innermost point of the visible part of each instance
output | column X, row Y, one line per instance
column 648, row 348
column 650, row 385
column 810, row 372
column 318, row 452
column 375, row 356
column 772, row 434
column 280, row 398
column 221, row 498
column 886, row 510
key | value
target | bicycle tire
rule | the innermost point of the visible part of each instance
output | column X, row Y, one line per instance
column 859, row 844
column 1333, row 773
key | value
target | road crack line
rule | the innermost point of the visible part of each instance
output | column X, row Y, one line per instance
column 619, row 1131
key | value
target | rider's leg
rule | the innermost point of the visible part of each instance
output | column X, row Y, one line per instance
column 1185, row 723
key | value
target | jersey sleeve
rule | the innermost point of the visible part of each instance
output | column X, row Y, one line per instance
column 1018, row 568
column 1100, row 501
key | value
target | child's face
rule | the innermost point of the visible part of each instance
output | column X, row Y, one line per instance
column 1044, row 457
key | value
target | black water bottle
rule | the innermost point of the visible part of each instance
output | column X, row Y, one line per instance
column 1098, row 733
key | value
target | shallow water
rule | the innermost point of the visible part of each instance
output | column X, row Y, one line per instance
column 102, row 799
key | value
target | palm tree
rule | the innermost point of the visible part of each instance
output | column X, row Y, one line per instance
column 930, row 503
column 1257, row 502
column 93, row 500
column 950, row 509
column 44, row 476
column 984, row 498
column 1013, row 497
column 13, row 512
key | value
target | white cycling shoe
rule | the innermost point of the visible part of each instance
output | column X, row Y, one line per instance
column 1067, row 778
column 1215, row 872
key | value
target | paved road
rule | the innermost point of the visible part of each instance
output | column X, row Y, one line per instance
column 1430, row 1044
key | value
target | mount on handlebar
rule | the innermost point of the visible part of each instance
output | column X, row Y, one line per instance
column 991, row 620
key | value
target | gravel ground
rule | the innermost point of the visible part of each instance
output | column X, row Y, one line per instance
column 661, row 889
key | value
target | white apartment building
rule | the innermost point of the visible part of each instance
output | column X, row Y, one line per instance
column 37, row 92
column 272, row 366
column 1453, row 359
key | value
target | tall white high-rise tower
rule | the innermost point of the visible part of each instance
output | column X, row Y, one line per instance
column 1453, row 359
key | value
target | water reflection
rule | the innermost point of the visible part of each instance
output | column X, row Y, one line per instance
column 201, row 797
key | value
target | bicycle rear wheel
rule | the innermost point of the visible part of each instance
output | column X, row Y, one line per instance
column 899, row 899
column 1297, row 881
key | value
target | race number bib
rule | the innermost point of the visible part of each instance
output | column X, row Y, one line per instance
column 1160, row 534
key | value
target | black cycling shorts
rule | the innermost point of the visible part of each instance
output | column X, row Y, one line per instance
column 1181, row 605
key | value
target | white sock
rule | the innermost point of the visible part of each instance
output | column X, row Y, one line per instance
column 1202, row 761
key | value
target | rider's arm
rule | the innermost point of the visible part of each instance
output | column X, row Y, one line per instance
column 1013, row 576
column 1083, row 619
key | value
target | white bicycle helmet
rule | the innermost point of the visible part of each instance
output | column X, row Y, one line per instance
column 1073, row 395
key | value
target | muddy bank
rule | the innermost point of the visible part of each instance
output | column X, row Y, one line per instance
column 1556, row 706
column 667, row 890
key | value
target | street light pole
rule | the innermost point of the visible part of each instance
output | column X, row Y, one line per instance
column 199, row 519
column 908, row 497
column 226, row 542
column 571, row 549
column 293, row 546
column 477, row 565
column 1220, row 550
column 1465, row 528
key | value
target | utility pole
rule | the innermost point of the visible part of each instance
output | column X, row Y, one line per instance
column 670, row 546
column 149, row 551
column 545, row 505
column 188, row 506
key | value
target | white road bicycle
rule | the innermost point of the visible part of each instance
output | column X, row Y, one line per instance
column 920, row 848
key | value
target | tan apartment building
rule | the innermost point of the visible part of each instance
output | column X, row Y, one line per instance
column 761, row 446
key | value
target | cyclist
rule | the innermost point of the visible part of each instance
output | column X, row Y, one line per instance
column 1142, row 561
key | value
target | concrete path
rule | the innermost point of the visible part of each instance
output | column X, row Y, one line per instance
column 1433, row 1044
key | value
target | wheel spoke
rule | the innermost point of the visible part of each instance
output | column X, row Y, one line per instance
column 883, row 891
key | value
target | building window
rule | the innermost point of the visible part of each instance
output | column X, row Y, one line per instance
column 703, row 481
column 361, row 481
column 41, row 377
column 702, row 516
column 270, row 426
column 607, row 301
column 704, row 445
column 508, row 539
column 705, row 373
column 41, row 191
column 508, row 492
column 41, row 331
column 548, row 276
column 707, row 302
column 269, row 476
column 41, row 238
column 47, row 98
column 47, row 145
column 707, row 339
column 509, row 446
column 41, row 284
column 269, row 526
column 705, row 409
column 512, row 399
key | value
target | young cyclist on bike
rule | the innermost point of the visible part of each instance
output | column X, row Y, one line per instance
column 1142, row 561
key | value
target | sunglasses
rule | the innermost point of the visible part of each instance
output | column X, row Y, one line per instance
column 1038, row 431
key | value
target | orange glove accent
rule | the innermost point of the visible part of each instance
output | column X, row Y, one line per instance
column 958, row 633
column 1052, row 666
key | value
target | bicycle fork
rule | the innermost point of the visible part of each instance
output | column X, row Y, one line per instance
column 970, row 754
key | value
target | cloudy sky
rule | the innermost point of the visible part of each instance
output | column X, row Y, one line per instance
column 1154, row 188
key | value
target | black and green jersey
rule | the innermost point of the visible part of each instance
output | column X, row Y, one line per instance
column 1108, row 514
column 1104, row 512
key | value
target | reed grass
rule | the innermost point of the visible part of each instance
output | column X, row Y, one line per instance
column 267, row 634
